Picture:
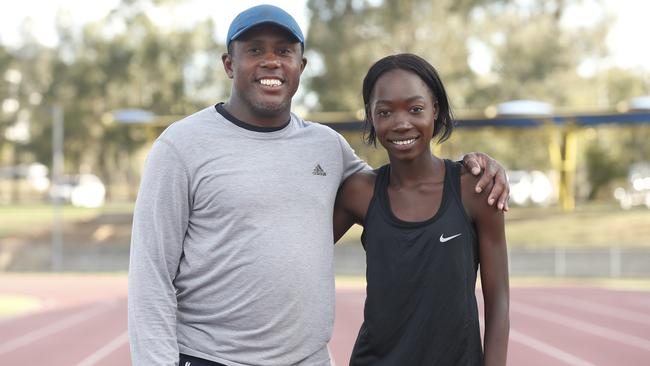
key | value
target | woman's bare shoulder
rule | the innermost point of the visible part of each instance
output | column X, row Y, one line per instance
column 475, row 203
column 361, row 181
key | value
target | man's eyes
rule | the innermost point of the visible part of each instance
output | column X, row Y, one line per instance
column 283, row 51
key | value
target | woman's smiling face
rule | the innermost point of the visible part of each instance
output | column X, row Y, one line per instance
column 403, row 110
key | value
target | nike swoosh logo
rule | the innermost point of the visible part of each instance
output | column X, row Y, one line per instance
column 444, row 240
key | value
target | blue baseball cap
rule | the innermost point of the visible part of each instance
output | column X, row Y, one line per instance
column 260, row 14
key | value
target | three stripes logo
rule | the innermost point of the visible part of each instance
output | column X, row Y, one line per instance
column 318, row 171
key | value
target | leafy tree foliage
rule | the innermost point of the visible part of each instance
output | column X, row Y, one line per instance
column 122, row 61
column 126, row 60
column 529, row 51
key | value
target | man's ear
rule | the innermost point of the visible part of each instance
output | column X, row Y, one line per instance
column 304, row 64
column 226, row 59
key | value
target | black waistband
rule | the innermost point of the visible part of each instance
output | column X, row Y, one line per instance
column 185, row 360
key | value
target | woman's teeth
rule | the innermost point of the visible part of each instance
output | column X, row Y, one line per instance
column 403, row 142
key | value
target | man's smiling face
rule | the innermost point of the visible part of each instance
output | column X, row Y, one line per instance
column 265, row 64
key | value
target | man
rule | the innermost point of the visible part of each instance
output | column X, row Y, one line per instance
column 231, row 256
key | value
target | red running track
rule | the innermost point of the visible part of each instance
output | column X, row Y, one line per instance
column 82, row 322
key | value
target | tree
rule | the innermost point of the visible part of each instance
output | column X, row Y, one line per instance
column 170, row 71
column 622, row 85
column 347, row 36
column 529, row 52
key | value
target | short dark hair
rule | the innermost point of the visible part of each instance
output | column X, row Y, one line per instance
column 444, row 124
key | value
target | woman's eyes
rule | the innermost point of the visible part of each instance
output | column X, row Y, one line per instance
column 386, row 113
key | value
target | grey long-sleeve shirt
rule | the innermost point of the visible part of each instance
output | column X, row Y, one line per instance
column 231, row 252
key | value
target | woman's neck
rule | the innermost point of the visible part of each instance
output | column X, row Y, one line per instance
column 426, row 168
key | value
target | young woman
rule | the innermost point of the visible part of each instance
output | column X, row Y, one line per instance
column 426, row 232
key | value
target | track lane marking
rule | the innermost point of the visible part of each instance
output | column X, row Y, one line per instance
column 587, row 327
column 55, row 327
column 106, row 350
column 548, row 349
column 333, row 363
column 541, row 347
column 608, row 310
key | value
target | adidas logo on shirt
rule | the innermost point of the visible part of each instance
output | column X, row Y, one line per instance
column 318, row 171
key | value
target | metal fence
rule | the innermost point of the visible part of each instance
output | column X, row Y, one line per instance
column 569, row 261
column 350, row 259
column 580, row 261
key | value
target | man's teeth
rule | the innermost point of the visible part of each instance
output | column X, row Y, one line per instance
column 270, row 82
column 403, row 142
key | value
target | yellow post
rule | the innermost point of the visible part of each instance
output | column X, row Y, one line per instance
column 569, row 167
column 555, row 154
column 563, row 153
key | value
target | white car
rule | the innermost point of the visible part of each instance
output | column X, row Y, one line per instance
column 638, row 191
column 84, row 190
column 530, row 187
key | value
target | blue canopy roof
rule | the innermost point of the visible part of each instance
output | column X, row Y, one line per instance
column 633, row 117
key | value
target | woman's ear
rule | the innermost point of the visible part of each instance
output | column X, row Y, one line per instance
column 436, row 110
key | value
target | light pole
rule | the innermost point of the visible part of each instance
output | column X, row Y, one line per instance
column 11, row 106
column 57, row 174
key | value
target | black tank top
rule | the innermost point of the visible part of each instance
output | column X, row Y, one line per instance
column 420, row 307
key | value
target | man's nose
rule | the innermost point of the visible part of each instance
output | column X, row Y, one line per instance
column 271, row 60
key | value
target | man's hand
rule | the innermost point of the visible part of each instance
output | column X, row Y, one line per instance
column 476, row 162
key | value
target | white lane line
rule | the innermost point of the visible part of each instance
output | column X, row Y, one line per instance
column 566, row 321
column 607, row 310
column 53, row 328
column 547, row 349
column 542, row 347
column 105, row 351
column 331, row 356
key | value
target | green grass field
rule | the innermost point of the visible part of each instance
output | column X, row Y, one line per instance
column 592, row 225
column 595, row 225
column 632, row 284
column 17, row 220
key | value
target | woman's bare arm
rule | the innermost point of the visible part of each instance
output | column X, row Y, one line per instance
column 489, row 226
column 352, row 202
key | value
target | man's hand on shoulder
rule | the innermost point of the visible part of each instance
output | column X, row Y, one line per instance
column 492, row 171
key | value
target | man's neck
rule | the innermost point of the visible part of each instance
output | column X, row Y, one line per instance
column 243, row 113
